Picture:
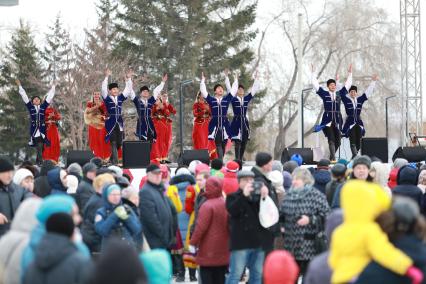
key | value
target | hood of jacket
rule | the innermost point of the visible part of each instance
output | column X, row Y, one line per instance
column 25, row 218
column 363, row 201
column 182, row 178
column 105, row 193
column 213, row 187
column 407, row 175
column 52, row 250
column 322, row 176
column 54, row 179
column 46, row 167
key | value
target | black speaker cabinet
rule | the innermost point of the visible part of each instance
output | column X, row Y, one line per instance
column 306, row 153
column 80, row 157
column 191, row 155
column 411, row 154
column 375, row 147
column 136, row 154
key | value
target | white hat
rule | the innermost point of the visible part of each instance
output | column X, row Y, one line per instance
column 72, row 184
column 182, row 171
column 193, row 165
column 276, row 178
column 20, row 175
column 117, row 170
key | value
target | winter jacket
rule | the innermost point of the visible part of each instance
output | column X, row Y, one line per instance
column 299, row 240
column 330, row 189
column 230, row 183
column 244, row 225
column 322, row 177
column 41, row 184
column 407, row 180
column 12, row 244
column 57, row 260
column 138, row 238
column 108, row 225
column 11, row 196
column 92, row 239
column 409, row 244
column 359, row 239
column 211, row 235
column 156, row 216
column 181, row 184
column 272, row 232
column 54, row 179
column 393, row 175
column 84, row 191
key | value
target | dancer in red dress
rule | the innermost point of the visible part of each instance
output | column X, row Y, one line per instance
column 53, row 151
column 161, row 112
column 94, row 116
column 200, row 131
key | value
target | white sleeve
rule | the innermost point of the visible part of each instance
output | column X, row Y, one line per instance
column 315, row 82
column 370, row 89
column 23, row 94
column 50, row 94
column 203, row 89
column 228, row 84
column 339, row 86
column 104, row 89
column 254, row 88
column 348, row 83
column 128, row 88
column 234, row 88
column 158, row 90
column 132, row 94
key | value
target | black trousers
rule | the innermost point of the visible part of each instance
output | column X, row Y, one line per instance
column 355, row 139
column 116, row 140
column 240, row 145
column 220, row 144
column 38, row 144
column 332, row 133
column 303, row 266
column 213, row 274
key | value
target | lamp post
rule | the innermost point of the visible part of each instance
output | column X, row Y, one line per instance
column 386, row 111
column 181, row 106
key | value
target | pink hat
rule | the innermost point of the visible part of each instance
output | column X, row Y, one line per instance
column 201, row 168
column 280, row 268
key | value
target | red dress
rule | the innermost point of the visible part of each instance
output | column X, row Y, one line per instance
column 200, row 131
column 163, row 128
column 95, row 121
column 53, row 151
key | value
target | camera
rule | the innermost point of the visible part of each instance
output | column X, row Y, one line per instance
column 257, row 186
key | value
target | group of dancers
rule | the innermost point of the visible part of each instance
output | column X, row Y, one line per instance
column 331, row 122
column 211, row 128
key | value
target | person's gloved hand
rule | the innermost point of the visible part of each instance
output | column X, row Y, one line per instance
column 192, row 249
column 415, row 274
column 121, row 212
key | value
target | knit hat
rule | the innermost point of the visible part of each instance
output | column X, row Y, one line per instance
column 406, row 212
column 158, row 266
column 202, row 168
column 54, row 204
column 97, row 161
column 262, row 158
column 5, row 164
column 89, row 167
column 60, row 223
column 276, row 178
column 280, row 268
column 245, row 173
column 216, row 164
column 338, row 170
column 182, row 171
column 323, row 163
column 20, row 175
column 399, row 163
column 75, row 169
column 232, row 166
column 193, row 165
column 287, row 180
column 290, row 166
column 343, row 162
column 297, row 158
column 277, row 166
column 110, row 188
column 361, row 160
column 129, row 192
column 117, row 170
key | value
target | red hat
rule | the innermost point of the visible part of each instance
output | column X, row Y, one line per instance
column 280, row 268
column 200, row 168
column 232, row 166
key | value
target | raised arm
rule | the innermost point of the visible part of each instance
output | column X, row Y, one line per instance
column 348, row 82
column 314, row 80
column 255, row 87
column 203, row 88
column 22, row 92
column 370, row 88
column 234, row 88
column 104, row 88
column 160, row 87
column 50, row 94
column 227, row 82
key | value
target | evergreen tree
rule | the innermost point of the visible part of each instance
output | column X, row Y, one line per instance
column 184, row 38
column 21, row 61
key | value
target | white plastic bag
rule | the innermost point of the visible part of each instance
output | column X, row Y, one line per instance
column 268, row 212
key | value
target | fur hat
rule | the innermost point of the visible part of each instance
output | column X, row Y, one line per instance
column 353, row 88
column 361, row 160
column 330, row 81
column 262, row 158
column 5, row 164
column 112, row 86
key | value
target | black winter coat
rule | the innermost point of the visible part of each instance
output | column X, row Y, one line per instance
column 92, row 239
column 85, row 190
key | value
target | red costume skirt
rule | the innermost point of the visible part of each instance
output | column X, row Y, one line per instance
column 97, row 143
column 53, row 151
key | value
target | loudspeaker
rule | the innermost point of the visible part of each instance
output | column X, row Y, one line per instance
column 80, row 157
column 191, row 155
column 306, row 153
column 411, row 154
column 375, row 147
column 136, row 154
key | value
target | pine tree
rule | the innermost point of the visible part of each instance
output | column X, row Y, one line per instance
column 184, row 38
column 22, row 61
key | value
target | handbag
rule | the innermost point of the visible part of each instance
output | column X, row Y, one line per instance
column 320, row 240
column 268, row 212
